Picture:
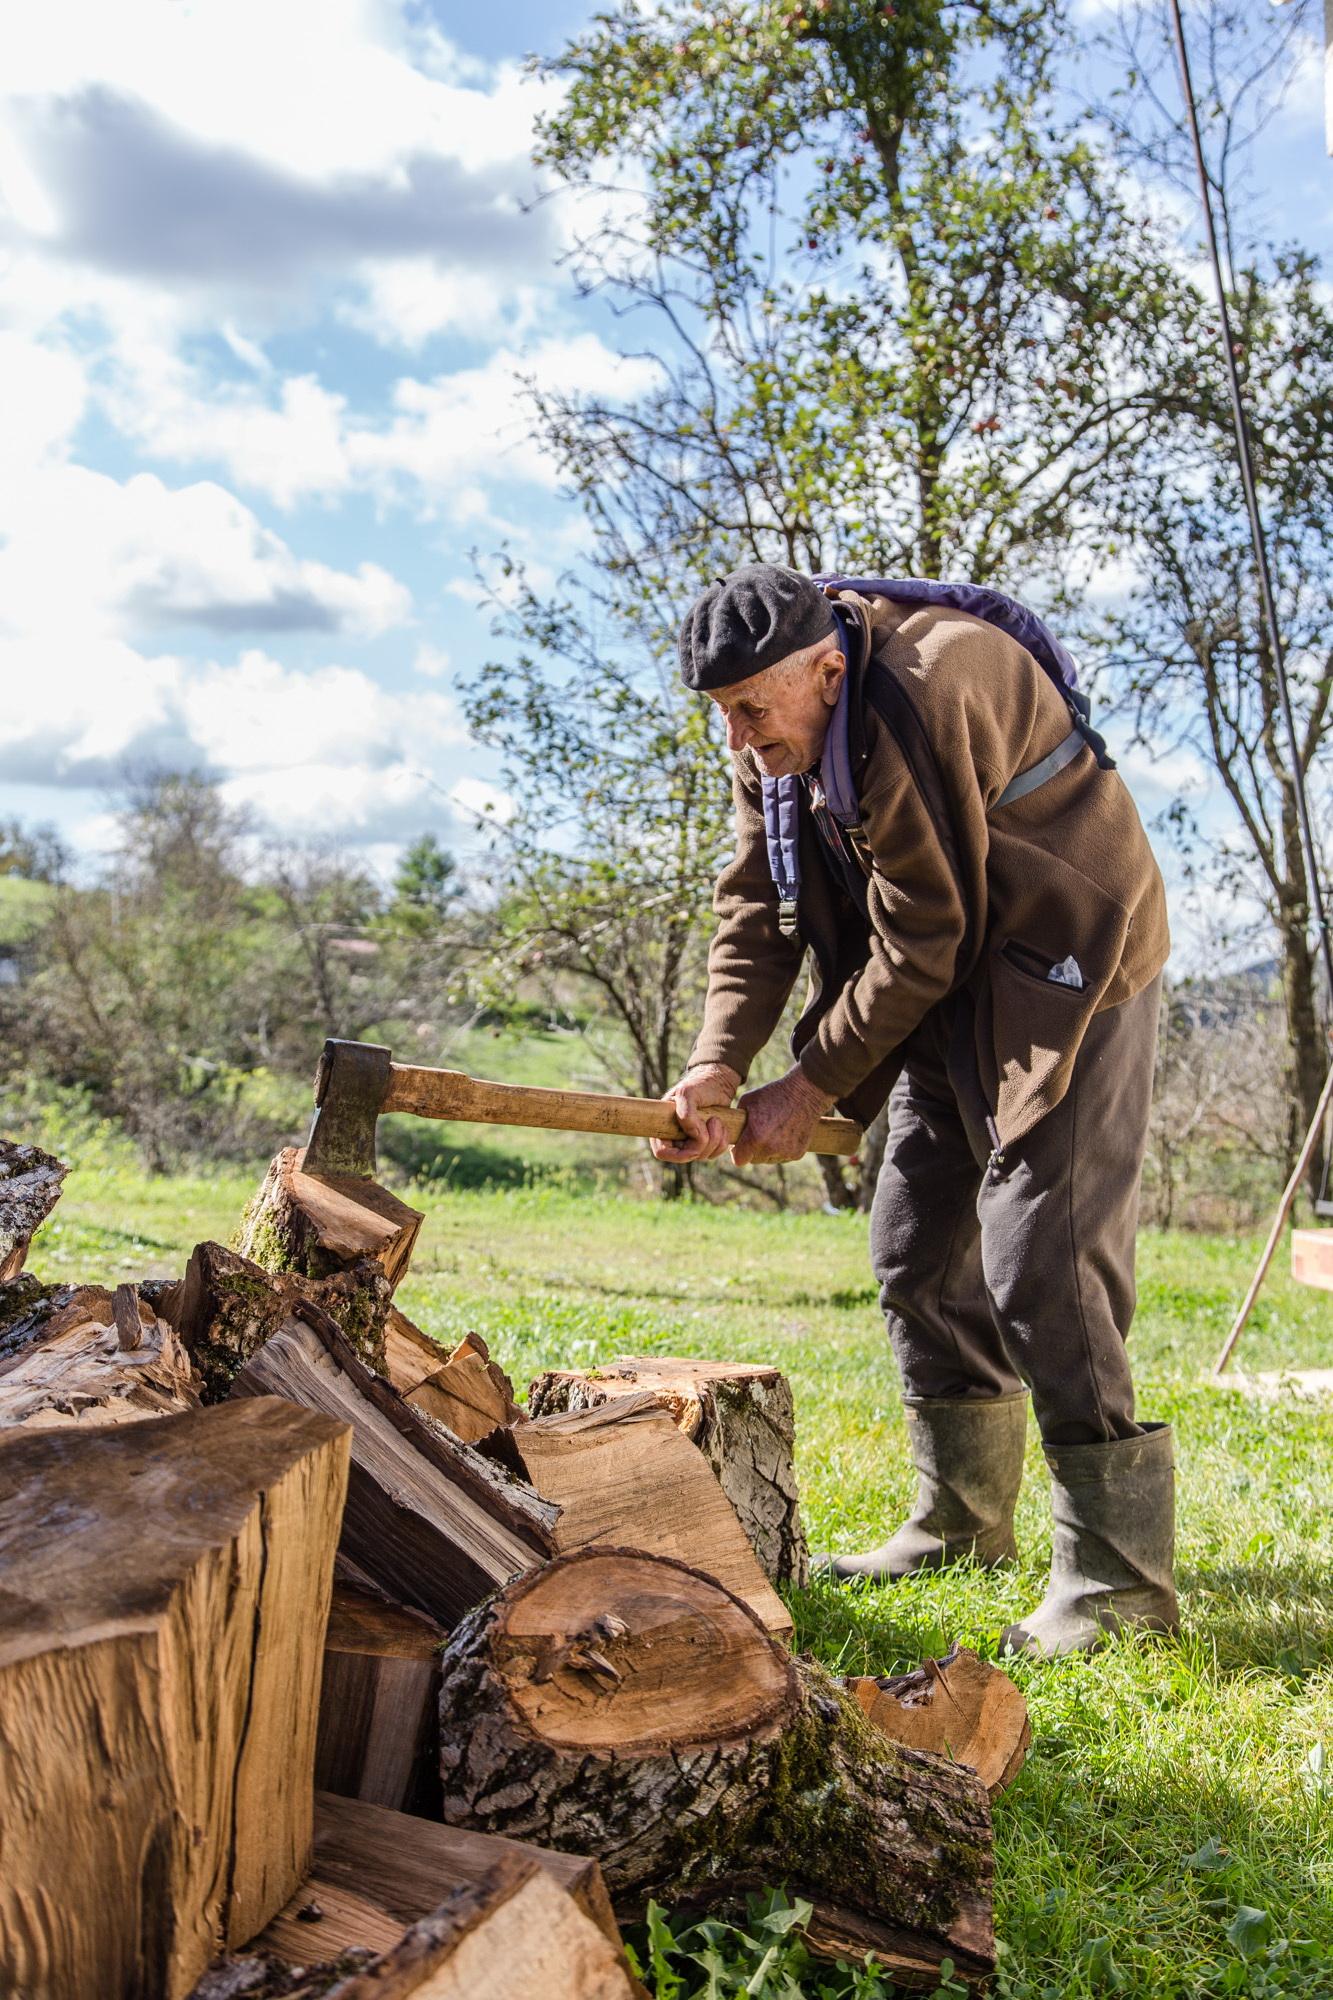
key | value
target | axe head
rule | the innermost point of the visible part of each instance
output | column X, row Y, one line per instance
column 350, row 1085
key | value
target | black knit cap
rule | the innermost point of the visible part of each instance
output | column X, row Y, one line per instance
column 748, row 621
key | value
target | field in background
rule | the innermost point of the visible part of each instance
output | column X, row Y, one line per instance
column 1172, row 1834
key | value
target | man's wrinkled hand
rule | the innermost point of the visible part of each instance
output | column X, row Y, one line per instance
column 780, row 1120
column 711, row 1087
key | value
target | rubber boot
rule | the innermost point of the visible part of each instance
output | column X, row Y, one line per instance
column 968, row 1455
column 1114, row 1542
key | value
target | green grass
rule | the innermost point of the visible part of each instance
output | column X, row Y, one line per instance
column 1169, row 1788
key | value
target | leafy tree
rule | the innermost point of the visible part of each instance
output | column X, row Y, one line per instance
column 35, row 853
column 1189, row 647
column 620, row 819
column 902, row 316
column 426, row 888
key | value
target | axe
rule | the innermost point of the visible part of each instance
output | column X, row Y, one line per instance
column 357, row 1081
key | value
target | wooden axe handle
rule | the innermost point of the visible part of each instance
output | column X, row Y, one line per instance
column 448, row 1093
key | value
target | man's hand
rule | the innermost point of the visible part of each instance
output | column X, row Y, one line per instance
column 711, row 1085
column 780, row 1120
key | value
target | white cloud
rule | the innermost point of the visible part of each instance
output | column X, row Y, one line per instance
column 431, row 662
column 479, row 802
column 87, row 555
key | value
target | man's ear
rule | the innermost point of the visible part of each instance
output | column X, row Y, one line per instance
column 831, row 670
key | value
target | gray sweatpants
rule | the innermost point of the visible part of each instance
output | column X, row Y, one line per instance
column 992, row 1278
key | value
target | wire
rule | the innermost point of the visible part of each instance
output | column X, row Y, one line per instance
column 1257, row 535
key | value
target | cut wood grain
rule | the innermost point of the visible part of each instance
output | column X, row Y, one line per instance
column 29, row 1189
column 632, row 1708
column 463, row 1389
column 958, row 1707
column 430, row 1521
column 516, row 1934
column 624, row 1475
column 379, row 1702
column 96, row 1359
column 740, row 1415
column 227, row 1306
column 316, row 1224
column 165, row 1590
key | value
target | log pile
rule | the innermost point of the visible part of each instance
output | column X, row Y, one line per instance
column 259, row 1533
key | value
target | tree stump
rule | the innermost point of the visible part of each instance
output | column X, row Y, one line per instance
column 626, row 1706
column 29, row 1189
column 316, row 1224
column 624, row 1475
column 741, row 1417
column 161, row 1624
column 96, row 1360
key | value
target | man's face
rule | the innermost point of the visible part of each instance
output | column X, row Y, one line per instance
column 782, row 715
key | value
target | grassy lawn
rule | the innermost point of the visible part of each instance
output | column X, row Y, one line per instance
column 1172, row 1833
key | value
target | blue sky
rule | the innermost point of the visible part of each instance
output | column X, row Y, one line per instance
column 270, row 268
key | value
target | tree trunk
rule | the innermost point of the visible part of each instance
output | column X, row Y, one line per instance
column 161, row 1629
column 316, row 1224
column 622, row 1474
column 1308, row 1053
column 626, row 1706
column 740, row 1415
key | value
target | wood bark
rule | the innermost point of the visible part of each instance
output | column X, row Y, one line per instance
column 316, row 1224
column 429, row 1520
column 515, row 1933
column 740, row 1415
column 624, row 1474
column 165, row 1591
column 97, row 1359
column 226, row 1307
column 959, row 1707
column 624, row 1705
column 379, row 1702
column 29, row 1189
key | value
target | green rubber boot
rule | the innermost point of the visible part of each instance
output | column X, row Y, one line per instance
column 1113, row 1548
column 968, row 1455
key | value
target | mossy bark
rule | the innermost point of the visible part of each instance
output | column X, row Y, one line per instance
column 226, row 1307
column 892, row 1847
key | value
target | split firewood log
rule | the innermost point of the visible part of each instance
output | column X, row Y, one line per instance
column 958, row 1707
column 379, row 1702
column 29, row 1189
column 624, row 1475
column 515, row 1933
column 226, row 1307
column 624, row 1705
column 428, row 1520
column 316, row 1224
column 27, row 1308
column 98, row 1359
column 463, row 1389
column 165, row 1590
column 741, row 1417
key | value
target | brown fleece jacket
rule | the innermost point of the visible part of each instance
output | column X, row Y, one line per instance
column 986, row 906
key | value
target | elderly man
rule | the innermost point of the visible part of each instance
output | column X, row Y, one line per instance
column 921, row 807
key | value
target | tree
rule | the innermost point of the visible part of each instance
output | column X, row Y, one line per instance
column 891, row 295
column 426, row 888
column 1189, row 649
column 619, row 821
column 891, row 301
